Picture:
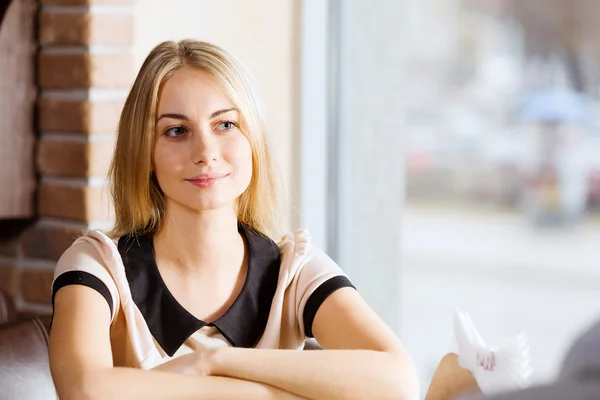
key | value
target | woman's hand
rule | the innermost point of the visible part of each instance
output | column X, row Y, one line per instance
column 197, row 363
column 204, row 358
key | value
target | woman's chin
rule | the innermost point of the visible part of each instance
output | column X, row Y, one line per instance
column 202, row 203
column 212, row 205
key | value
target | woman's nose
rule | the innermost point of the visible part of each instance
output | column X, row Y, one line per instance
column 205, row 147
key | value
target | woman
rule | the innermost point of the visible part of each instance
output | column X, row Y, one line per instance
column 188, row 297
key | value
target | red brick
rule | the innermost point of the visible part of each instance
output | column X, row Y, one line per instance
column 79, row 116
column 72, row 71
column 74, row 158
column 62, row 157
column 83, row 28
column 49, row 241
column 36, row 285
column 80, row 203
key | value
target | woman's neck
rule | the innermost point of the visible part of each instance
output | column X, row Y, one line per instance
column 204, row 242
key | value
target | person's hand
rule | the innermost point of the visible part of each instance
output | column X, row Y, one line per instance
column 451, row 380
column 197, row 363
column 204, row 360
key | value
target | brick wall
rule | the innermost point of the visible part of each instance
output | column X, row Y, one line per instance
column 84, row 69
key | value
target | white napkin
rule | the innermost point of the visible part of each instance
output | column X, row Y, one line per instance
column 495, row 368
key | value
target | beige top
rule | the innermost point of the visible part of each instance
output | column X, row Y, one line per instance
column 285, row 285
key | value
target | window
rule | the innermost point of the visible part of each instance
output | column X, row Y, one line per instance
column 461, row 168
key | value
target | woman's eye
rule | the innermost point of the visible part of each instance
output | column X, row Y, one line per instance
column 226, row 126
column 176, row 131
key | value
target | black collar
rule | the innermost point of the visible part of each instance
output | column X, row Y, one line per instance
column 171, row 324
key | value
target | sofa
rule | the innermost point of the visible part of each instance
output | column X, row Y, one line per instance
column 24, row 364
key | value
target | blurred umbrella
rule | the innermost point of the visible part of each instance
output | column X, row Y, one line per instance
column 556, row 106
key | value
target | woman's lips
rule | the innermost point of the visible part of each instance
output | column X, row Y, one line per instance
column 207, row 180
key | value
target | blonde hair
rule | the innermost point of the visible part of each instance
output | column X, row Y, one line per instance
column 138, row 201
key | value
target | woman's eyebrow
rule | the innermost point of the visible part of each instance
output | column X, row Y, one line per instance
column 221, row 112
column 173, row 116
column 183, row 117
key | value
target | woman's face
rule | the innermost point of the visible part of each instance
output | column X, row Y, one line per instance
column 202, row 160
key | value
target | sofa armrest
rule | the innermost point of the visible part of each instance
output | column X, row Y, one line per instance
column 8, row 312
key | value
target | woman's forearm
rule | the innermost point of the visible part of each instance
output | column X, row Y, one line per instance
column 320, row 375
column 130, row 383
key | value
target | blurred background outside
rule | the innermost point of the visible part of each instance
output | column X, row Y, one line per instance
column 489, row 111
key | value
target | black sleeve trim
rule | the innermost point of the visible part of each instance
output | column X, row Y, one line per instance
column 318, row 297
column 85, row 279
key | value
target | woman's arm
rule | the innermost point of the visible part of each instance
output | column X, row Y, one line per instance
column 365, row 360
column 82, row 366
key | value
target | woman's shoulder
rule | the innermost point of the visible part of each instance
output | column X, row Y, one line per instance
column 91, row 260
column 311, row 276
column 91, row 240
column 93, row 248
column 293, row 240
column 297, row 248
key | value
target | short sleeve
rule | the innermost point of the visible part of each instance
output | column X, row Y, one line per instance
column 81, row 264
column 317, row 280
